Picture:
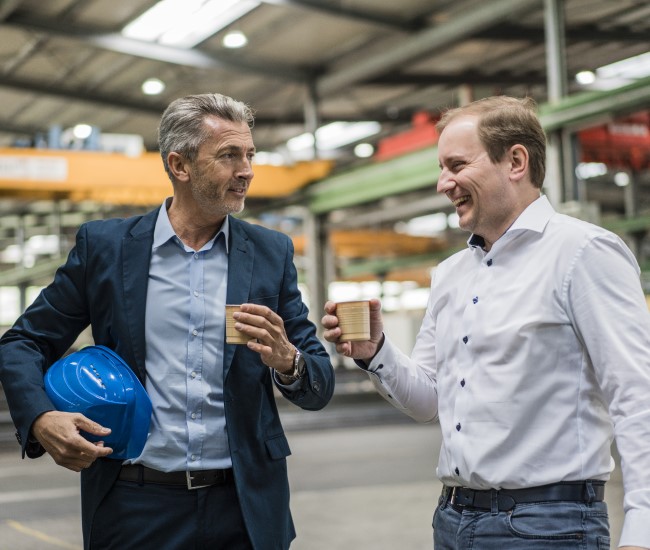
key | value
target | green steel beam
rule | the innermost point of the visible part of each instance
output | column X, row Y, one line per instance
column 386, row 265
column 375, row 181
column 588, row 107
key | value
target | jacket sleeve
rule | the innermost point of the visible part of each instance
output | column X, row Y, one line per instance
column 317, row 385
column 40, row 336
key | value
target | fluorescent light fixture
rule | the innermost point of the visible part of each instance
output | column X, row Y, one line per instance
column 153, row 86
column 586, row 170
column 334, row 135
column 616, row 74
column 185, row 23
column 234, row 39
column 632, row 68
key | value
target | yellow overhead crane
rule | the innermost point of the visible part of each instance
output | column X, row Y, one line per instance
column 118, row 179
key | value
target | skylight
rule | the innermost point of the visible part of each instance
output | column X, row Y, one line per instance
column 186, row 23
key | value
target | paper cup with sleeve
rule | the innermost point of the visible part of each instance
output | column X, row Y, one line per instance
column 233, row 336
column 354, row 320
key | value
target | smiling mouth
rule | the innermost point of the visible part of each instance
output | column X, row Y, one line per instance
column 461, row 200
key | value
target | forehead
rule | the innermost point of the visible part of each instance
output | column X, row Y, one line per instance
column 460, row 135
column 227, row 133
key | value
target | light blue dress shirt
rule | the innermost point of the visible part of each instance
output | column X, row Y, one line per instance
column 184, row 331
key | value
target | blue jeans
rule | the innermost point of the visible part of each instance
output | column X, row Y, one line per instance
column 535, row 526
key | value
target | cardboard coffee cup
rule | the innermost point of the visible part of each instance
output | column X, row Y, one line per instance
column 233, row 336
column 354, row 320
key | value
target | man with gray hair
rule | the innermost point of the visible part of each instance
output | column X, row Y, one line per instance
column 154, row 289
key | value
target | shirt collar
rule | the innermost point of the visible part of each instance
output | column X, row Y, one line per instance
column 164, row 231
column 533, row 218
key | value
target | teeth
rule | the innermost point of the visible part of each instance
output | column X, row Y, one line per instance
column 460, row 201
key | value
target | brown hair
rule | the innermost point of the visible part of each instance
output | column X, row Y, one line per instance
column 503, row 122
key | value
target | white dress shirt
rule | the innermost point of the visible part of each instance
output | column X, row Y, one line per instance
column 533, row 355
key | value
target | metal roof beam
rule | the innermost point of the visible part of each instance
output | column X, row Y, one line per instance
column 424, row 42
column 350, row 13
column 574, row 34
column 115, row 42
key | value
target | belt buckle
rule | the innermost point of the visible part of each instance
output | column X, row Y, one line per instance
column 452, row 498
column 190, row 480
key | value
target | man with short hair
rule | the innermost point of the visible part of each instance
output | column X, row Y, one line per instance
column 154, row 288
column 533, row 353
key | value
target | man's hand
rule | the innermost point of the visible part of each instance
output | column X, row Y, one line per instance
column 58, row 432
column 364, row 351
column 271, row 340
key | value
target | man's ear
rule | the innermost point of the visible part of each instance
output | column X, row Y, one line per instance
column 178, row 166
column 518, row 162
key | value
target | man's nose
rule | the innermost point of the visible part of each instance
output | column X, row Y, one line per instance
column 445, row 182
column 245, row 169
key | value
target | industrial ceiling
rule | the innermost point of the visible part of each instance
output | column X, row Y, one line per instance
column 306, row 63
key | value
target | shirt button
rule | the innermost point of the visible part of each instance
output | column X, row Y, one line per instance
column 489, row 262
column 457, row 471
column 196, row 256
column 462, row 383
column 193, row 457
column 193, row 415
column 195, row 332
column 458, row 427
column 475, row 299
column 465, row 339
column 196, row 293
column 193, row 374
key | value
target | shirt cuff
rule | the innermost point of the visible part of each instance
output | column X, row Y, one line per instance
column 292, row 386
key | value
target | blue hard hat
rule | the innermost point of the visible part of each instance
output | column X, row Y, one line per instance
column 97, row 383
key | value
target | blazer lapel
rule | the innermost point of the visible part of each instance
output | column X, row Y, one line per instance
column 136, row 256
column 240, row 275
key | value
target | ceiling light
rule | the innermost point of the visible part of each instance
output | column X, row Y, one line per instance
column 585, row 77
column 234, row 39
column 82, row 131
column 185, row 23
column 622, row 179
column 335, row 135
column 153, row 86
column 364, row 150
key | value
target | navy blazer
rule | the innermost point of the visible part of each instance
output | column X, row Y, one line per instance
column 104, row 284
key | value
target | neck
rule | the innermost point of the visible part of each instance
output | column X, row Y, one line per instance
column 192, row 227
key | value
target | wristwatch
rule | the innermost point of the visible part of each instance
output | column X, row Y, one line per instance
column 298, row 369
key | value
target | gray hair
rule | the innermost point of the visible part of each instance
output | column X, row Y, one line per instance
column 181, row 127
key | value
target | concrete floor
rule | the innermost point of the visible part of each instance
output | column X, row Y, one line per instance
column 360, row 487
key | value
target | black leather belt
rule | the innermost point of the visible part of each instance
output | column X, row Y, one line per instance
column 462, row 498
column 195, row 479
